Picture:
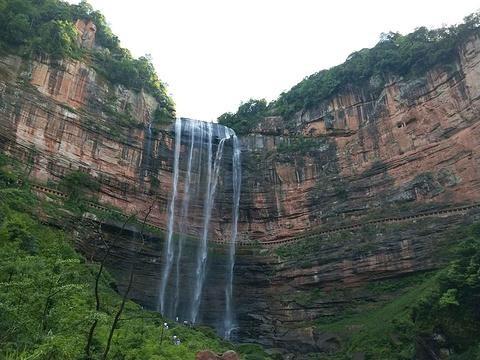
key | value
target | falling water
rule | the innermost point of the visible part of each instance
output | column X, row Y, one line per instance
column 203, row 252
column 191, row 126
column 237, row 183
column 169, row 255
column 183, row 277
column 212, row 181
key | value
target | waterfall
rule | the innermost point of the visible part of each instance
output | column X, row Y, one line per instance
column 237, row 184
column 169, row 255
column 184, row 269
column 203, row 250
column 212, row 181
column 191, row 126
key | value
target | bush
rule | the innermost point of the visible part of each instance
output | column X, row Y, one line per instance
column 410, row 55
column 298, row 145
column 77, row 184
column 15, row 230
column 58, row 39
column 247, row 116
column 7, row 179
column 252, row 352
column 46, row 27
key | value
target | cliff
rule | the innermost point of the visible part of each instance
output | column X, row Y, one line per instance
column 385, row 157
column 63, row 116
column 412, row 147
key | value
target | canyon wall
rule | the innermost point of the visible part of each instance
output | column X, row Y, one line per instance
column 60, row 117
column 413, row 147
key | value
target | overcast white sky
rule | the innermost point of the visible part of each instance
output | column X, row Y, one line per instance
column 216, row 53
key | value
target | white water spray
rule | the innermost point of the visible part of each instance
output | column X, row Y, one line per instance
column 181, row 290
column 229, row 321
column 191, row 126
column 212, row 182
column 169, row 253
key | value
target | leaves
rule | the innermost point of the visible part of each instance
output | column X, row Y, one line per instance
column 449, row 298
column 410, row 55
column 47, row 301
column 247, row 116
column 47, row 27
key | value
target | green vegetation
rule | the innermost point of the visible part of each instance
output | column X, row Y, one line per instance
column 253, row 352
column 247, row 116
column 298, row 145
column 33, row 28
column 47, row 299
column 385, row 332
column 400, row 318
column 309, row 248
column 452, row 308
column 36, row 28
column 427, row 313
column 407, row 56
column 77, row 183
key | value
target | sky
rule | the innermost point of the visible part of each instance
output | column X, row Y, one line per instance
column 214, row 54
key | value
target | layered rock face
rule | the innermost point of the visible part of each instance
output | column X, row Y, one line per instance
column 414, row 143
column 409, row 147
column 60, row 117
column 281, row 296
column 283, row 301
column 63, row 117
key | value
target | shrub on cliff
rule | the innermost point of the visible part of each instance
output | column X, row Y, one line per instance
column 247, row 116
column 57, row 38
column 38, row 27
column 395, row 54
column 80, row 187
column 46, row 27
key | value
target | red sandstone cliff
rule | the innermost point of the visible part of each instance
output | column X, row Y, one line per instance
column 64, row 116
column 415, row 144
column 415, row 147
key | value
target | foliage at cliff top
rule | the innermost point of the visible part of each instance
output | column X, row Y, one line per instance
column 408, row 56
column 247, row 116
column 47, row 27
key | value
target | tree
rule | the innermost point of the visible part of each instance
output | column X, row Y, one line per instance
column 129, row 286
column 247, row 116
column 97, row 283
column 395, row 55
column 57, row 38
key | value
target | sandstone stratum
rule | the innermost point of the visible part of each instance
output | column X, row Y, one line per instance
column 384, row 178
